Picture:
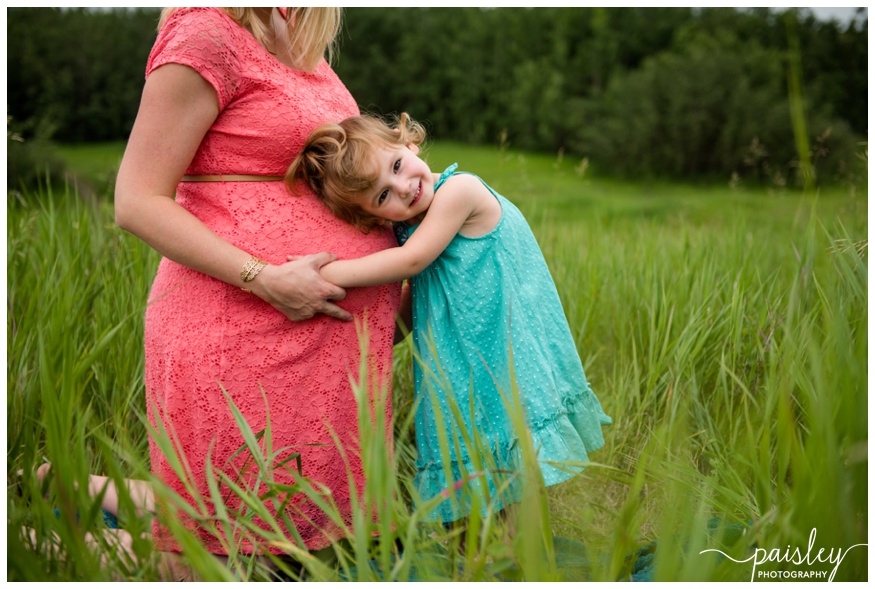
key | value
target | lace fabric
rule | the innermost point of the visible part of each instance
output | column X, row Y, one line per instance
column 204, row 336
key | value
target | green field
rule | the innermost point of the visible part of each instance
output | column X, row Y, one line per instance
column 723, row 328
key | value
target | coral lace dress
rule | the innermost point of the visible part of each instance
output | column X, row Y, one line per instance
column 203, row 335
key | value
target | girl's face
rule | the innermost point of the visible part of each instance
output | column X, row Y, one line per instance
column 405, row 188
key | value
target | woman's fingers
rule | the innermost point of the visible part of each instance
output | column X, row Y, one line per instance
column 298, row 290
column 334, row 311
column 335, row 293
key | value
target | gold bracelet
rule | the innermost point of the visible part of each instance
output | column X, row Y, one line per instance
column 251, row 269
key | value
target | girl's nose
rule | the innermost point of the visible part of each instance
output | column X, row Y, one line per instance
column 403, row 187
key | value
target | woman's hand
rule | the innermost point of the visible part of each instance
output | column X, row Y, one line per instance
column 297, row 290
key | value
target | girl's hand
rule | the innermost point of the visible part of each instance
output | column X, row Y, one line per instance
column 297, row 290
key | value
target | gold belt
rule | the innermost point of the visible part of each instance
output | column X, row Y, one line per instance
column 231, row 178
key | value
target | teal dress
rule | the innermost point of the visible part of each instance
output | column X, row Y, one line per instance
column 483, row 302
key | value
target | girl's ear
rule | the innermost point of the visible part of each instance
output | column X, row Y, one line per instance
column 414, row 148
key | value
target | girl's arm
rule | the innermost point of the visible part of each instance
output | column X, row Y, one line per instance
column 177, row 108
column 459, row 200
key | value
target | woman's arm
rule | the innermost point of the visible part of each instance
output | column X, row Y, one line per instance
column 460, row 199
column 176, row 110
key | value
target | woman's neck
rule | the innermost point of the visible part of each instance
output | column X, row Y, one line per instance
column 278, row 42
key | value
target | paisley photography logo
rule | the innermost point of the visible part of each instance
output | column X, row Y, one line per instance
column 812, row 558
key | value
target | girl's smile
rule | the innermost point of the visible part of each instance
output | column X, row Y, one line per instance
column 418, row 194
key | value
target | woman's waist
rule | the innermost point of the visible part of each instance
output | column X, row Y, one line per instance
column 231, row 177
column 276, row 225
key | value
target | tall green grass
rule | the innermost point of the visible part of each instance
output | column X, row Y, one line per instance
column 725, row 331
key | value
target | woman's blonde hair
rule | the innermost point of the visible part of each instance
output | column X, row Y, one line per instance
column 312, row 31
column 338, row 162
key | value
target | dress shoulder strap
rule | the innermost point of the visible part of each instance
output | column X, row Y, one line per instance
column 446, row 174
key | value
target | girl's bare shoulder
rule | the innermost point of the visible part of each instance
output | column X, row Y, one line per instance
column 465, row 186
column 464, row 182
column 485, row 211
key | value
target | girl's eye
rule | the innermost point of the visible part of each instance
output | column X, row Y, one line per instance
column 383, row 196
column 396, row 165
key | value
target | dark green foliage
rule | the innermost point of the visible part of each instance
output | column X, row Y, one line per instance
column 711, row 106
column 675, row 92
column 79, row 70
column 679, row 92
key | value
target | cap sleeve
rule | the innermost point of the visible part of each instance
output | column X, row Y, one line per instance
column 206, row 40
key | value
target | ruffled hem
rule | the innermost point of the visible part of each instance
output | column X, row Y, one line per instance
column 564, row 439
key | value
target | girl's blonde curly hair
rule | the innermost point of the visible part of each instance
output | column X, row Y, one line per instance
column 338, row 162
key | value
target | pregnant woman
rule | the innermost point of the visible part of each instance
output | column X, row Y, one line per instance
column 231, row 94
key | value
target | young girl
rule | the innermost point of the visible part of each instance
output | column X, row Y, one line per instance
column 482, row 300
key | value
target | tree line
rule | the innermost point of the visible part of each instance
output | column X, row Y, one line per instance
column 674, row 92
